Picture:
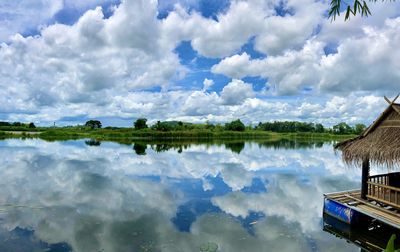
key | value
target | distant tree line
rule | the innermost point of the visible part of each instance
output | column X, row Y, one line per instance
column 17, row 124
column 238, row 125
column 235, row 125
column 344, row 128
column 291, row 126
column 294, row 126
column 141, row 123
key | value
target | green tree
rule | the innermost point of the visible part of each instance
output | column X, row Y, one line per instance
column 342, row 128
column 162, row 126
column 209, row 125
column 352, row 8
column 319, row 128
column 236, row 125
column 359, row 128
column 140, row 123
column 31, row 125
column 93, row 124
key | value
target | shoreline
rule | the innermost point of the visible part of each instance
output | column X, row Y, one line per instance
column 131, row 135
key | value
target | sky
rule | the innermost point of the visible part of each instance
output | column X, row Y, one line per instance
column 68, row 61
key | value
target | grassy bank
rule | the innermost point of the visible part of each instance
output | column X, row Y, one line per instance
column 130, row 134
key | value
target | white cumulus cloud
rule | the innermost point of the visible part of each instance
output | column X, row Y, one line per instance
column 236, row 92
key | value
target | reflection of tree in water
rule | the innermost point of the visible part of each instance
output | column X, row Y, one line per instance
column 92, row 142
column 140, row 149
column 167, row 146
column 292, row 144
column 235, row 147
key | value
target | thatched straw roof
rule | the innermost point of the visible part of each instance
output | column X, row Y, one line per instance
column 380, row 142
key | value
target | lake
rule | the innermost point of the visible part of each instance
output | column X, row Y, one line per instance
column 84, row 195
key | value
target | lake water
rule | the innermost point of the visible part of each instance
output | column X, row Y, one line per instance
column 91, row 196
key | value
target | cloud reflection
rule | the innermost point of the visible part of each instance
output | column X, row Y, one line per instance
column 108, row 198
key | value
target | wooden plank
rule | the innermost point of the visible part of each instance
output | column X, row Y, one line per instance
column 379, row 175
column 390, row 124
column 344, row 198
column 342, row 195
column 333, row 194
column 385, row 186
column 384, row 201
column 384, row 210
column 393, row 101
column 341, row 199
column 396, row 109
column 380, row 216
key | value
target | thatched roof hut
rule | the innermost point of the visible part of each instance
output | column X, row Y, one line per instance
column 379, row 143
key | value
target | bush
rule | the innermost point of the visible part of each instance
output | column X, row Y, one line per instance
column 140, row 124
column 93, row 124
column 236, row 125
column 342, row 128
column 162, row 126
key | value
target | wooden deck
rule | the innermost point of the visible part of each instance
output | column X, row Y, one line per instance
column 383, row 213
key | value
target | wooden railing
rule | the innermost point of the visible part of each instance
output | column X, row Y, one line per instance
column 380, row 191
column 382, row 179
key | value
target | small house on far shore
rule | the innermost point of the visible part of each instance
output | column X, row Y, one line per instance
column 379, row 196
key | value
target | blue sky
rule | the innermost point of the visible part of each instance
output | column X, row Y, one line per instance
column 204, row 60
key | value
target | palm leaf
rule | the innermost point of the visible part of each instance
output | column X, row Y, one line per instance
column 357, row 7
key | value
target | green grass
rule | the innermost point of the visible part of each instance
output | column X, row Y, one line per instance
column 130, row 134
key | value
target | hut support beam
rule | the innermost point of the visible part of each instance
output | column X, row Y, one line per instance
column 364, row 179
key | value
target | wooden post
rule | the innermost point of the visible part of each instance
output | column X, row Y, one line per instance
column 364, row 179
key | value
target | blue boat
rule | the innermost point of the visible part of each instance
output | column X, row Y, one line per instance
column 340, row 211
column 340, row 206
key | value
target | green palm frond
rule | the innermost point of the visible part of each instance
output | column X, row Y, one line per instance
column 358, row 7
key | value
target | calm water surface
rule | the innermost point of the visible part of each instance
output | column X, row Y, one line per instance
column 91, row 196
